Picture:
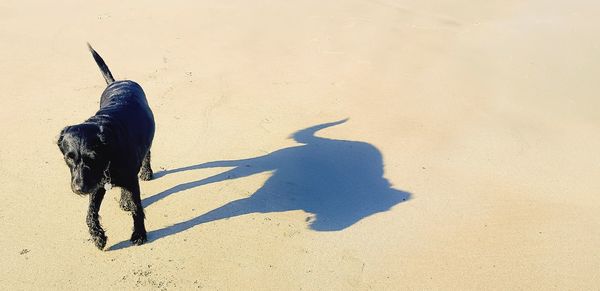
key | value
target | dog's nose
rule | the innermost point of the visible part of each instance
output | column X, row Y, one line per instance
column 77, row 189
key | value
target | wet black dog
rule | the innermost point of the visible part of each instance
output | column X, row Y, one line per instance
column 111, row 148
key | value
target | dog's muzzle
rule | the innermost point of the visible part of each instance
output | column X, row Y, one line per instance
column 78, row 185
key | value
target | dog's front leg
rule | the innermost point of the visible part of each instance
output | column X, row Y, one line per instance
column 132, row 192
column 93, row 222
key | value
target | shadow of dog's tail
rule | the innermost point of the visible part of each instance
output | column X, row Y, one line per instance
column 103, row 67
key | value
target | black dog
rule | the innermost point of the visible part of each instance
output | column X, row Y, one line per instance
column 109, row 149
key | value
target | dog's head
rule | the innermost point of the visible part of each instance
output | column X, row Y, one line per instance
column 85, row 150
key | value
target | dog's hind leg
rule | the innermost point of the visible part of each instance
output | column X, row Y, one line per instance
column 126, row 202
column 146, row 170
column 138, row 236
column 92, row 219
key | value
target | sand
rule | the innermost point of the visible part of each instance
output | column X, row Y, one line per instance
column 314, row 145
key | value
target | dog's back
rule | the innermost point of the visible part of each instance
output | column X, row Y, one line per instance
column 124, row 104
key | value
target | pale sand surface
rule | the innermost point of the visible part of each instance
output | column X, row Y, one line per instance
column 483, row 113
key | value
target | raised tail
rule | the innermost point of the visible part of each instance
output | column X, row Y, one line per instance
column 103, row 67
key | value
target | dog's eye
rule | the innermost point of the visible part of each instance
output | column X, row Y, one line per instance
column 70, row 156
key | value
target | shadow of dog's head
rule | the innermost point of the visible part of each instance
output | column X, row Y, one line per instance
column 85, row 150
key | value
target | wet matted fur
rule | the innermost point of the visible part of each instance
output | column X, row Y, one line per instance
column 111, row 148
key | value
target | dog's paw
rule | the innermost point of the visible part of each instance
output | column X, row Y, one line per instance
column 99, row 241
column 126, row 204
column 138, row 238
column 146, row 175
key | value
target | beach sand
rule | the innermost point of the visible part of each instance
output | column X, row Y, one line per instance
column 314, row 145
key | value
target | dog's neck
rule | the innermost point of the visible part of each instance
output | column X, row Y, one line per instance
column 107, row 183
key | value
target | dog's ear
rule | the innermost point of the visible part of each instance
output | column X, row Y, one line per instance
column 104, row 134
column 61, row 135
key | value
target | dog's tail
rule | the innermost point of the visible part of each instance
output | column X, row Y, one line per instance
column 103, row 67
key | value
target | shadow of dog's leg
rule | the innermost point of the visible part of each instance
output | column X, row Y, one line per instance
column 146, row 171
column 138, row 236
column 92, row 219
